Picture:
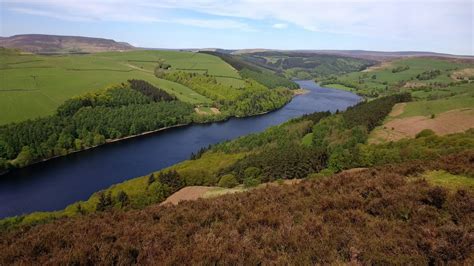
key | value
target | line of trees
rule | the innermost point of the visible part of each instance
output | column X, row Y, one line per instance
column 430, row 74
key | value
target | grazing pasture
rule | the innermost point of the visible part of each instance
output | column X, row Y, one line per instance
column 425, row 77
column 34, row 85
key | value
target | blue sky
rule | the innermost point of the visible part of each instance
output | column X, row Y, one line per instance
column 384, row 25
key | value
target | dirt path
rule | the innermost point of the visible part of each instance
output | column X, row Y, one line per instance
column 381, row 66
column 397, row 109
column 197, row 192
column 213, row 111
column 187, row 193
column 453, row 121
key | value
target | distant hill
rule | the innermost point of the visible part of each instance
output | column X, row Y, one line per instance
column 372, row 55
column 39, row 43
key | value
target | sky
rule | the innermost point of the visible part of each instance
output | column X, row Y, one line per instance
column 383, row 25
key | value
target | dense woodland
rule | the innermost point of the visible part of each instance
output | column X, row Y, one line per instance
column 277, row 153
column 89, row 120
column 377, row 216
column 308, row 65
column 127, row 109
column 253, row 99
column 248, row 70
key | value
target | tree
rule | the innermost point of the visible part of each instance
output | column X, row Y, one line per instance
column 228, row 181
column 123, row 198
column 252, row 181
column 171, row 179
column 151, row 179
column 79, row 209
column 105, row 201
column 252, row 172
column 24, row 158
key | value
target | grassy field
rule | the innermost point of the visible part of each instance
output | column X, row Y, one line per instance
column 385, row 79
column 33, row 85
column 427, row 108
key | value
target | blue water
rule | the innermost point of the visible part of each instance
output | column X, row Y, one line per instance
column 54, row 184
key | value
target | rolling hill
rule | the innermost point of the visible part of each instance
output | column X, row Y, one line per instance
column 376, row 216
column 39, row 43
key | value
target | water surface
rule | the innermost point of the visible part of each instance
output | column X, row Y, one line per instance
column 54, row 184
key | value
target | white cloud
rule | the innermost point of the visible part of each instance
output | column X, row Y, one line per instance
column 400, row 20
column 280, row 26
column 214, row 24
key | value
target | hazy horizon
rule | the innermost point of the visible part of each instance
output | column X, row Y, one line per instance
column 430, row 26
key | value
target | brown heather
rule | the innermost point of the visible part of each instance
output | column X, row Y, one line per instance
column 376, row 216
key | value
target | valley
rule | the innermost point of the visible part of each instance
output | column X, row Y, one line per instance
column 236, row 152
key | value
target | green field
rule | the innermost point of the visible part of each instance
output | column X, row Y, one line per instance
column 34, row 85
column 382, row 81
column 427, row 108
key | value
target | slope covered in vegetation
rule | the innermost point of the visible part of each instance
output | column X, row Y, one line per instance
column 307, row 65
column 89, row 120
column 277, row 153
column 266, row 76
column 376, row 216
column 425, row 78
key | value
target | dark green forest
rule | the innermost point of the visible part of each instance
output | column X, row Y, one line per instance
column 253, row 99
column 265, row 76
column 305, row 65
column 83, row 122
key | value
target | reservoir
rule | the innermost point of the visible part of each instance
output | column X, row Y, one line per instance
column 54, row 184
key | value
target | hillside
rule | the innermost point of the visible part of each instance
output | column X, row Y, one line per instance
column 424, row 77
column 55, row 105
column 377, row 216
column 363, row 54
column 307, row 65
column 38, row 84
column 39, row 43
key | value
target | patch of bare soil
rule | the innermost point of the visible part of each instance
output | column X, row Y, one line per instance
column 215, row 111
column 453, row 121
column 354, row 170
column 187, row 193
column 197, row 192
column 383, row 65
column 300, row 91
column 397, row 109
column 463, row 74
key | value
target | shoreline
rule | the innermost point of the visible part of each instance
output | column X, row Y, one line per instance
column 109, row 141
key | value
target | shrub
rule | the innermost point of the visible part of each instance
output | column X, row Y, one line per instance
column 425, row 133
column 252, row 181
column 252, row 172
column 228, row 181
